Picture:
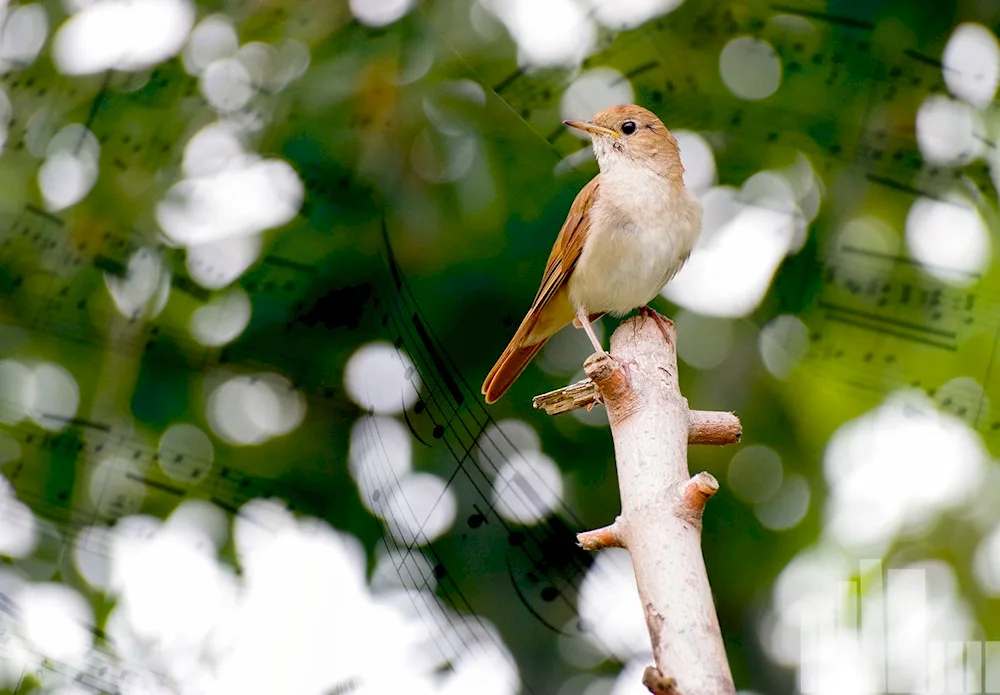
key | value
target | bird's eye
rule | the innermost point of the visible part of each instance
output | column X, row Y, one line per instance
column 628, row 127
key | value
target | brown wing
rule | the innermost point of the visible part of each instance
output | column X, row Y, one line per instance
column 569, row 244
column 551, row 308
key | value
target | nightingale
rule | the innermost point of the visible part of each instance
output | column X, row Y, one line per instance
column 628, row 232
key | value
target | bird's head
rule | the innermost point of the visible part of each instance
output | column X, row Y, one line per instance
column 630, row 134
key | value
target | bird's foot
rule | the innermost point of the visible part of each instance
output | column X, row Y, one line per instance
column 647, row 311
column 665, row 325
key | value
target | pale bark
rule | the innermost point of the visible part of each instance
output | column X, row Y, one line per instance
column 660, row 523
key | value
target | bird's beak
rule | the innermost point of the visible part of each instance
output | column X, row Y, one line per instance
column 591, row 128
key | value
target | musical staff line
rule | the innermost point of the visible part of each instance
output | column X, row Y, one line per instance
column 897, row 258
column 48, row 216
column 842, row 20
column 173, row 490
column 906, row 188
column 577, row 566
column 926, row 60
column 95, row 106
column 440, row 576
column 886, row 319
column 886, row 331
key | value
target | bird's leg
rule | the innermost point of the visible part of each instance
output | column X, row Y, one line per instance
column 584, row 318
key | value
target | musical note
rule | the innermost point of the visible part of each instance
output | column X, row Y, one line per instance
column 881, row 318
column 478, row 519
column 544, row 562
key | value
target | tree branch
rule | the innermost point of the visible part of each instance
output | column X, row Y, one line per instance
column 662, row 505
column 704, row 426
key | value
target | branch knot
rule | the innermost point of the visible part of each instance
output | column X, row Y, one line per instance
column 694, row 494
column 657, row 683
column 608, row 374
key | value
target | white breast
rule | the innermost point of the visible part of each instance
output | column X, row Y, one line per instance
column 636, row 244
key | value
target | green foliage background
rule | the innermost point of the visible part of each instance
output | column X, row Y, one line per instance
column 322, row 283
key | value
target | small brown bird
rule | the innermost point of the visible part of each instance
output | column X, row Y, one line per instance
column 627, row 234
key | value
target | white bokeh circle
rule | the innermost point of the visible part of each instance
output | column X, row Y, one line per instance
column 380, row 378
column 750, row 68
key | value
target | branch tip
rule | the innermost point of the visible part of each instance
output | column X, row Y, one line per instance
column 582, row 394
column 604, row 537
column 657, row 683
column 711, row 427
column 697, row 490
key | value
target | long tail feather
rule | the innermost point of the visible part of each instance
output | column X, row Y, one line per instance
column 510, row 365
column 540, row 324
